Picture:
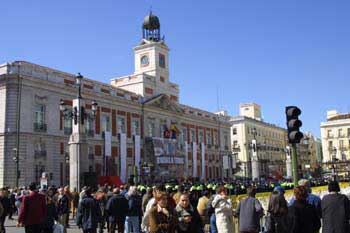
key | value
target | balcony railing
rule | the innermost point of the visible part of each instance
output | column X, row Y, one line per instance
column 67, row 130
column 39, row 127
column 40, row 154
column 90, row 133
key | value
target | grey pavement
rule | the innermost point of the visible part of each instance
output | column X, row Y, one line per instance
column 10, row 226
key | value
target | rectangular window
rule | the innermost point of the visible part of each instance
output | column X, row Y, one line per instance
column 135, row 127
column 151, row 128
column 208, row 138
column 121, row 125
column 89, row 127
column 39, row 117
column 330, row 145
column 215, row 139
column 348, row 132
column 226, row 141
column 201, row 136
column 340, row 133
column 106, row 124
column 192, row 135
column 341, row 144
column 67, row 126
column 184, row 135
column 234, row 131
column 235, row 144
column 161, row 60
column 329, row 133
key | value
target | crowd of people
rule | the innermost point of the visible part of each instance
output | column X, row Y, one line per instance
column 185, row 208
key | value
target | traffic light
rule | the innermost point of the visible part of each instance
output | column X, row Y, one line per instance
column 293, row 124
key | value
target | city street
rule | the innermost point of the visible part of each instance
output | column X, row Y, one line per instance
column 11, row 227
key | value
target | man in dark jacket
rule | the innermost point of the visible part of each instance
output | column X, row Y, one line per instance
column 63, row 208
column 117, row 207
column 335, row 210
column 89, row 214
column 5, row 202
column 303, row 217
column 249, row 211
column 33, row 210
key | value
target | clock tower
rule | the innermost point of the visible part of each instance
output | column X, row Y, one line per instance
column 151, row 75
column 151, row 55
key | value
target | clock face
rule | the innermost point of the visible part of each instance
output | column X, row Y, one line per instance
column 144, row 60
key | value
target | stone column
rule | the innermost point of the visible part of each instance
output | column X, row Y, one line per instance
column 288, row 163
column 255, row 161
column 78, row 160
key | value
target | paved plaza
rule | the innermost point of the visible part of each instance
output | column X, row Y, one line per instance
column 11, row 227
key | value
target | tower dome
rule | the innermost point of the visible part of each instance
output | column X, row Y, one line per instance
column 151, row 28
column 151, row 22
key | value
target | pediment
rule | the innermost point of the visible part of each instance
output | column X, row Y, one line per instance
column 162, row 101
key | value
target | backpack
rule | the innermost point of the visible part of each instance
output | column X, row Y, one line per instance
column 209, row 210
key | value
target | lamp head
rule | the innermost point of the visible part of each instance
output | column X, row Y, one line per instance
column 62, row 105
column 78, row 79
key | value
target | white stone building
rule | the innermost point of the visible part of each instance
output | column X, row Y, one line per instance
column 143, row 106
column 335, row 136
column 270, row 139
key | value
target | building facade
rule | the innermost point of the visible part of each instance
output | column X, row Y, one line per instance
column 335, row 136
column 150, row 130
column 270, row 143
column 307, row 156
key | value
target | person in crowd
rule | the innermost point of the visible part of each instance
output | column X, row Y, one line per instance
column 335, row 211
column 277, row 219
column 151, row 203
column 63, row 207
column 89, row 214
column 249, row 211
column 180, row 191
column 102, row 201
column 145, row 199
column 311, row 199
column 303, row 217
column 134, row 213
column 12, row 199
column 162, row 218
column 74, row 202
column 188, row 217
column 33, row 210
column 51, row 216
column 223, row 211
column 5, row 202
column 117, row 207
column 202, row 205
column 210, row 213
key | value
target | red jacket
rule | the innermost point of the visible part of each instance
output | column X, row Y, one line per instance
column 33, row 209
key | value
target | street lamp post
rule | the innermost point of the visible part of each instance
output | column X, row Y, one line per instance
column 77, row 141
column 334, row 160
column 255, row 158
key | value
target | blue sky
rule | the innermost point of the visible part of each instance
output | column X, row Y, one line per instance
column 271, row 52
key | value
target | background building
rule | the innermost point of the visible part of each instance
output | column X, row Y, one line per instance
column 335, row 136
column 307, row 156
column 270, row 139
column 151, row 131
